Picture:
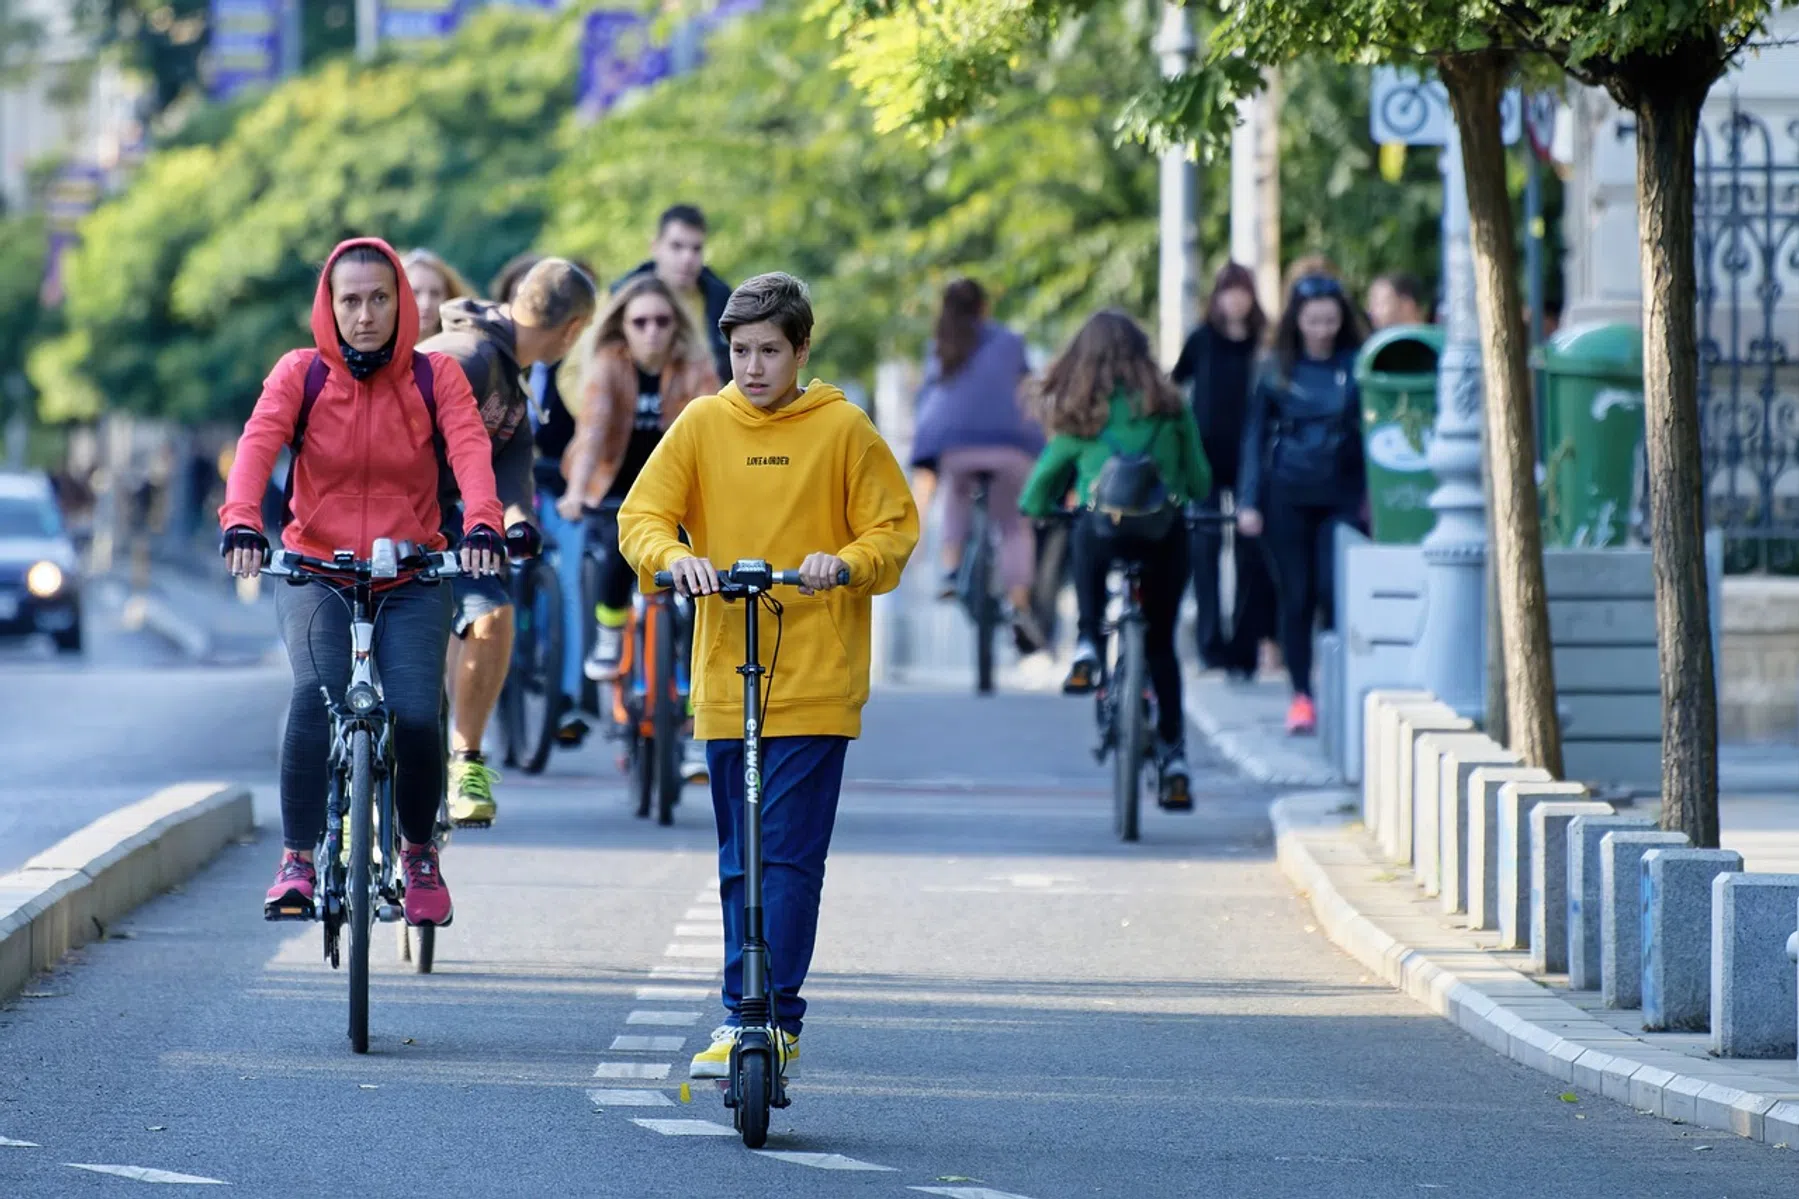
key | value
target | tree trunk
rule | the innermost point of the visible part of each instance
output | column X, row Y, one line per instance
column 1475, row 83
column 1666, row 102
column 1496, row 725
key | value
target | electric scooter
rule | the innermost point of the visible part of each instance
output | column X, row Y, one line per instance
column 754, row 1084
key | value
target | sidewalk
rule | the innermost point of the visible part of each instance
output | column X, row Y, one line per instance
column 205, row 614
column 1378, row 915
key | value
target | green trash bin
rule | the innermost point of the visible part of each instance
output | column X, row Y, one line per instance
column 1397, row 373
column 1593, row 433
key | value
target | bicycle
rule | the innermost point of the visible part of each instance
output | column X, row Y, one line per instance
column 974, row 583
column 754, row 1083
column 650, row 694
column 650, row 699
column 1126, row 728
column 531, row 700
column 361, row 882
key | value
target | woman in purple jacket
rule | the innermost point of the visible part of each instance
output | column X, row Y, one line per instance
column 970, row 422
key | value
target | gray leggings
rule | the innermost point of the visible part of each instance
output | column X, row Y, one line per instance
column 412, row 628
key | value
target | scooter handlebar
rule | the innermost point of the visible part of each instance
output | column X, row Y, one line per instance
column 735, row 580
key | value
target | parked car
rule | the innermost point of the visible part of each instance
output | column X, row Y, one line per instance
column 40, row 575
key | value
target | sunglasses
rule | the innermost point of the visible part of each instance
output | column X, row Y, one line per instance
column 1317, row 287
column 640, row 323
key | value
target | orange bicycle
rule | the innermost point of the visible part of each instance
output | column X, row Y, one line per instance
column 649, row 700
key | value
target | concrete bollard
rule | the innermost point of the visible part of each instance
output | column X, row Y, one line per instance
column 1549, row 880
column 1408, row 725
column 1585, row 907
column 1428, row 801
column 1621, row 913
column 1483, row 837
column 1677, row 935
column 1755, row 990
column 1454, row 801
column 1516, row 801
column 1376, row 730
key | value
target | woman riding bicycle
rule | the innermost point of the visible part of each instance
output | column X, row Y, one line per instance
column 368, row 467
column 970, row 423
column 1113, row 414
column 640, row 364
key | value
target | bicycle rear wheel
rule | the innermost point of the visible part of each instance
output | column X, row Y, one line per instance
column 360, row 908
column 1127, row 712
column 536, row 672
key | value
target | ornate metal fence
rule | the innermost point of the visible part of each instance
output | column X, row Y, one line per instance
column 1747, row 231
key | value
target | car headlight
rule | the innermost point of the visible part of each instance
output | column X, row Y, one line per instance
column 44, row 579
column 361, row 698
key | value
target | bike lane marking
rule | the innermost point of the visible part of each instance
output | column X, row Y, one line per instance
column 823, row 1161
column 148, row 1174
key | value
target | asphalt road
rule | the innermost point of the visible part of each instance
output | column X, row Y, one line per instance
column 80, row 736
column 1006, row 1002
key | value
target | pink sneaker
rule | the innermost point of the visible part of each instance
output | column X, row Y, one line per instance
column 427, row 898
column 292, row 894
column 1302, row 716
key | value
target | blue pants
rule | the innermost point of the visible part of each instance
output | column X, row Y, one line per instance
column 570, row 538
column 801, row 779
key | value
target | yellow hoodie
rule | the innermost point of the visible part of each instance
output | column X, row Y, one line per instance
column 746, row 483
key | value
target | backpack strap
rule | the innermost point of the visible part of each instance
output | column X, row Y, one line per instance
column 317, row 371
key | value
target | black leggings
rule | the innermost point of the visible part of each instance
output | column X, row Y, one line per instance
column 1164, row 581
column 616, row 576
column 1252, row 611
column 412, row 629
column 1298, row 540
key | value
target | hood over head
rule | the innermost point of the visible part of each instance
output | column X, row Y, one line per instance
column 816, row 395
column 324, row 319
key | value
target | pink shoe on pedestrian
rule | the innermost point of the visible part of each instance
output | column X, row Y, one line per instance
column 1302, row 716
column 427, row 898
column 292, row 895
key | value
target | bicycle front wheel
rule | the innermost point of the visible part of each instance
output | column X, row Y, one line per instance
column 361, row 896
column 536, row 673
column 1127, row 712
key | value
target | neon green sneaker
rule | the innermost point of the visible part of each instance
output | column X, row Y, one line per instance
column 715, row 1060
column 471, row 792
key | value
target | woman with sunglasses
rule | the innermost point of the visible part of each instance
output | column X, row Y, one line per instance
column 637, row 367
column 1302, row 469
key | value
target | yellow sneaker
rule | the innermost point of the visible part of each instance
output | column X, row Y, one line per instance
column 715, row 1060
column 471, row 792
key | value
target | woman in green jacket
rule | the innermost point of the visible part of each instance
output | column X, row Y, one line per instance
column 1106, row 398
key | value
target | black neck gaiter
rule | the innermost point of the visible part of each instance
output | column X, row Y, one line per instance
column 363, row 363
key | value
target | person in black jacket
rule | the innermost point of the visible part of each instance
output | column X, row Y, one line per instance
column 1216, row 366
column 678, row 258
column 1302, row 470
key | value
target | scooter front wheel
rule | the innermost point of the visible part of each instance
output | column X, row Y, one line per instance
column 753, row 1098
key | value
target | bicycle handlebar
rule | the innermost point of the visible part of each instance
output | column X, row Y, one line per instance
column 746, row 576
column 1192, row 518
column 286, row 564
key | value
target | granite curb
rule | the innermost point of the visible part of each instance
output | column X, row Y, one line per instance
column 1322, row 850
column 67, row 895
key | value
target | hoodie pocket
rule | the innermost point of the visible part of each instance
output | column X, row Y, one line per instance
column 804, row 653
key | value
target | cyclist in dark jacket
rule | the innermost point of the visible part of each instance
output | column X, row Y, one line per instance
column 1302, row 471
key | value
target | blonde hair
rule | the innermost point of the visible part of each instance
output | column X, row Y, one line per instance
column 608, row 331
column 1110, row 352
column 454, row 283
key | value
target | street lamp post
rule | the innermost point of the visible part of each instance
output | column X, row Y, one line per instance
column 1177, row 298
column 1452, row 645
column 368, row 28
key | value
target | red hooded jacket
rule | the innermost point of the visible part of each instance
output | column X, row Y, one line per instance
column 368, row 469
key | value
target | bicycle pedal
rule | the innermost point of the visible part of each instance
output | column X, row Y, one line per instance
column 289, row 911
column 387, row 913
column 472, row 823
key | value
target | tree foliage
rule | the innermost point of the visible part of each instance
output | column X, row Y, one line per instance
column 190, row 284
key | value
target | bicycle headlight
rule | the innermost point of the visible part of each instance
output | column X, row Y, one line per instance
column 44, row 579
column 362, row 699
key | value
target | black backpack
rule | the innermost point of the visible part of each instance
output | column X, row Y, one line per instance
column 1130, row 498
